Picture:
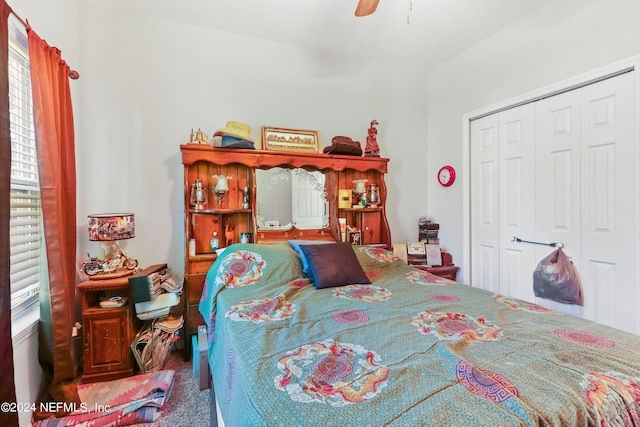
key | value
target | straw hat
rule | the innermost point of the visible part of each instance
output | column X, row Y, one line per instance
column 234, row 134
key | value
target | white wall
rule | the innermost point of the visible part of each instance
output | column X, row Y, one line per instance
column 563, row 40
column 146, row 83
column 27, row 372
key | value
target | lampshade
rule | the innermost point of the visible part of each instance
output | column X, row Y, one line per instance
column 111, row 226
column 222, row 183
column 359, row 187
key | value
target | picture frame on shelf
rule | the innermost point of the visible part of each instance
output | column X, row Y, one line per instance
column 354, row 236
column 285, row 139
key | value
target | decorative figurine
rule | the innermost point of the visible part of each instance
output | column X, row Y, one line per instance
column 372, row 149
column 229, row 233
column 199, row 138
column 116, row 261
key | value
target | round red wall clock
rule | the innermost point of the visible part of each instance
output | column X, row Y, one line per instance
column 446, row 176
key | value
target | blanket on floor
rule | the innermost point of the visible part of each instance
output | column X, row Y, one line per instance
column 122, row 402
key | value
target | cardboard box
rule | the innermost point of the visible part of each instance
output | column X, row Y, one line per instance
column 344, row 199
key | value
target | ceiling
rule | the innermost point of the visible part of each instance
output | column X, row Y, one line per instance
column 413, row 33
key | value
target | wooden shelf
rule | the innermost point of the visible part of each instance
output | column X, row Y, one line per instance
column 365, row 210
column 219, row 211
column 264, row 159
column 116, row 282
column 203, row 257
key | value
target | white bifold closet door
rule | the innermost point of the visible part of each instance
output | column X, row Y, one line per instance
column 561, row 169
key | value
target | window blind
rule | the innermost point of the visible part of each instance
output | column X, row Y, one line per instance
column 26, row 213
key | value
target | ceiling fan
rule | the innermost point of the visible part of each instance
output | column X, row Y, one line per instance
column 366, row 7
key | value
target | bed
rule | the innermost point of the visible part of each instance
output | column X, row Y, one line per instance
column 407, row 349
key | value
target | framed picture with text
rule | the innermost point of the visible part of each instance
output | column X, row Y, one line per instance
column 283, row 139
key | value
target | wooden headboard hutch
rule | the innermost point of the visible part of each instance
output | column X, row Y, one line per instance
column 229, row 219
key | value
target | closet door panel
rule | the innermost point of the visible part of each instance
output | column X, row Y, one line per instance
column 609, row 198
column 558, row 171
column 484, row 204
column 558, row 181
column 599, row 284
column 517, row 200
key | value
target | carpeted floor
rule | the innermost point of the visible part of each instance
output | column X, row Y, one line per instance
column 187, row 405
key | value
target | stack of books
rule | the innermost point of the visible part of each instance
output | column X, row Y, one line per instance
column 428, row 231
column 155, row 294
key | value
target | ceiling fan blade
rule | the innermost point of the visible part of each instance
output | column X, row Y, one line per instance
column 366, row 7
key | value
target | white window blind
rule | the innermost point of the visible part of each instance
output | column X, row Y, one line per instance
column 26, row 213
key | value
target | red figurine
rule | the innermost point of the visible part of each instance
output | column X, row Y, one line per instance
column 372, row 149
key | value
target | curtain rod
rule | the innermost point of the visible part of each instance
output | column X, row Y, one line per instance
column 73, row 74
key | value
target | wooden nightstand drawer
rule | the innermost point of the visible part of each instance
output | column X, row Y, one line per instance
column 448, row 272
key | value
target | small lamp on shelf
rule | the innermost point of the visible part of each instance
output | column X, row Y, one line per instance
column 221, row 187
column 373, row 196
column 198, row 198
column 109, row 228
column 359, row 191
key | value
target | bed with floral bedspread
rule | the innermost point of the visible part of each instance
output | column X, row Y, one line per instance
column 408, row 349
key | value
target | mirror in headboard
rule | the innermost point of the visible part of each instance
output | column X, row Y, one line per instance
column 289, row 198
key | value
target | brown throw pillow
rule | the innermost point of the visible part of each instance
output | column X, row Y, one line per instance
column 334, row 265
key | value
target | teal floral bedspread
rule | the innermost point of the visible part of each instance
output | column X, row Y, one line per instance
column 410, row 349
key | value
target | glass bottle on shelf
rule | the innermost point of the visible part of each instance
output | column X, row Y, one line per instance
column 215, row 242
column 245, row 198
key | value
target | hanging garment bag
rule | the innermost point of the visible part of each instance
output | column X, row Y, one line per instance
column 556, row 278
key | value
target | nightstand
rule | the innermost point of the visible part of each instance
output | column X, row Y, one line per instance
column 107, row 332
column 447, row 270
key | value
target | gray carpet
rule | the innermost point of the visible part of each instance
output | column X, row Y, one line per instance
column 187, row 405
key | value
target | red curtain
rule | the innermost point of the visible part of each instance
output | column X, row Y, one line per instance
column 7, row 385
column 53, row 118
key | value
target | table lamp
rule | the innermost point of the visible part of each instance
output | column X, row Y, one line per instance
column 373, row 196
column 221, row 187
column 108, row 228
column 359, row 191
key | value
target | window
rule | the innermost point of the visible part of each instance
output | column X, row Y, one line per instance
column 26, row 237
